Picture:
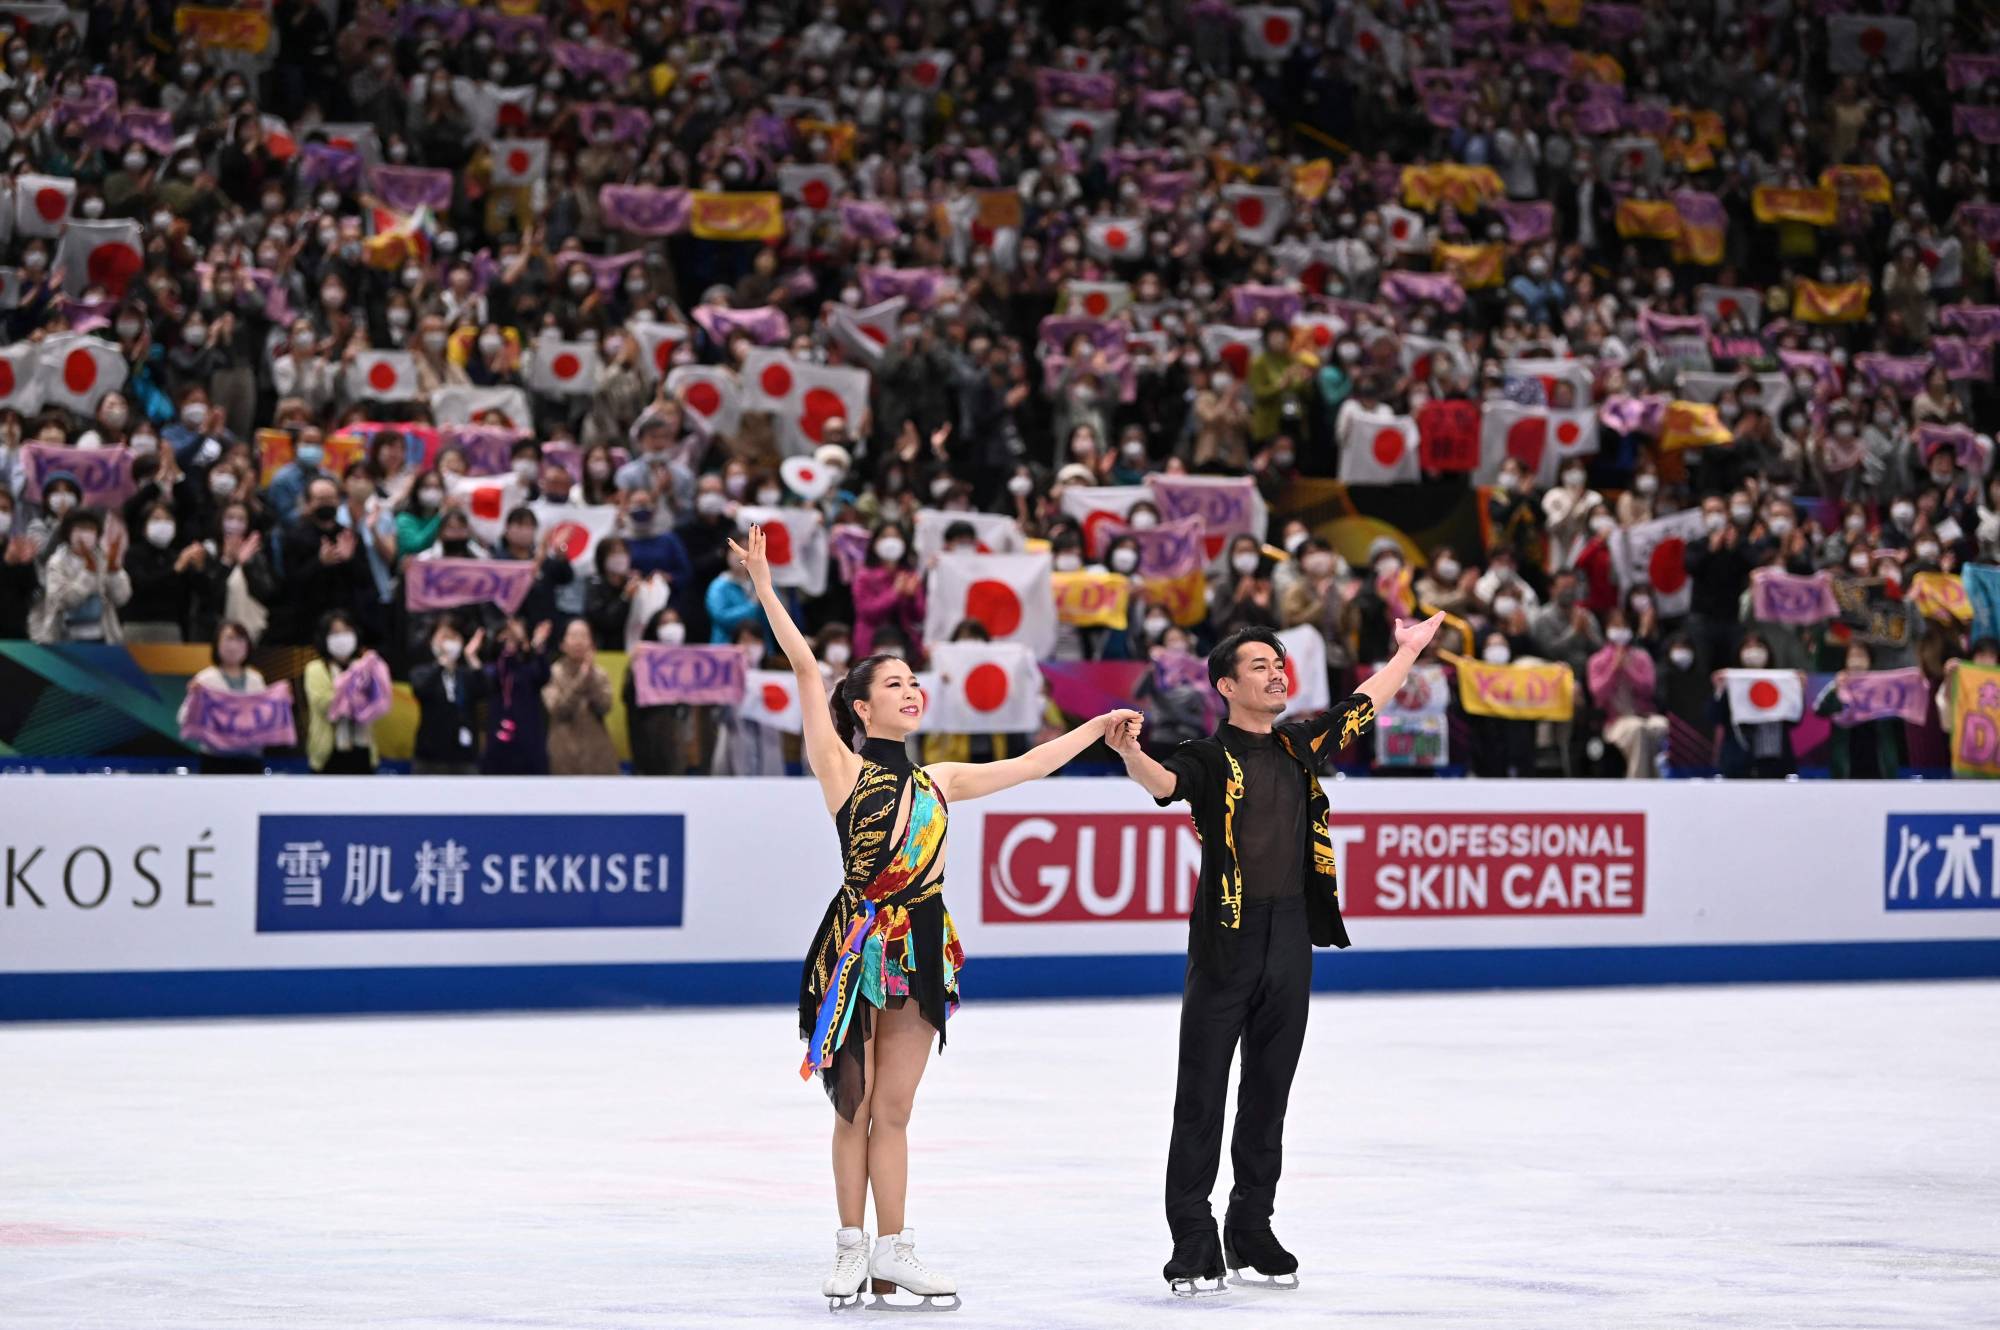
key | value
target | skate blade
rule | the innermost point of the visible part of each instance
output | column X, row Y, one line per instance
column 853, row 1302
column 926, row 1302
column 1275, row 1283
column 1197, row 1288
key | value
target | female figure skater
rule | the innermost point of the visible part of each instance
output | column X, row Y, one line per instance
column 882, row 974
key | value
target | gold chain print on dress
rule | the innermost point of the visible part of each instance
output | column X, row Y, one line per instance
column 1232, row 876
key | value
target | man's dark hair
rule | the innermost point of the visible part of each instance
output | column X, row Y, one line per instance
column 1222, row 660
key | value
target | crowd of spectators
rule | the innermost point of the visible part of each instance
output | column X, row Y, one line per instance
column 1060, row 199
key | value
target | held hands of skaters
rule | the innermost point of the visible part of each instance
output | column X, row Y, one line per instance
column 1122, row 729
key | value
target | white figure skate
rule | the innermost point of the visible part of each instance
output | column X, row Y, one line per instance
column 895, row 1265
column 850, row 1269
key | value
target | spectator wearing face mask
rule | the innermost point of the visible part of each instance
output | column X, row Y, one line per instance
column 1758, row 750
column 1622, row 687
column 1220, row 421
column 1718, row 568
column 888, row 592
column 336, row 747
column 286, row 487
column 324, row 568
column 1872, row 750
column 521, row 542
column 746, row 747
column 1241, row 595
column 610, row 596
column 420, row 515
column 517, row 717
column 165, row 574
column 229, row 671
column 1314, row 597
column 1566, row 512
column 674, row 739
column 1515, row 522
column 1566, row 631
column 1597, row 574
column 84, row 584
column 448, row 687
column 1122, row 643
column 1500, row 748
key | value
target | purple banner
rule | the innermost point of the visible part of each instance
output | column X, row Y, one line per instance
column 1969, row 71
column 103, row 474
column 322, row 163
column 362, row 692
column 1981, row 323
column 644, row 210
column 583, row 61
column 452, row 22
column 1166, row 101
column 1092, row 89
column 920, row 286
column 1224, row 510
column 1526, row 222
column 1409, row 288
column 1279, row 304
column 1633, row 415
column 1171, row 549
column 664, row 675
column 1816, row 363
column 1162, row 190
column 1978, row 122
column 1905, row 374
column 443, row 584
column 869, row 221
column 1615, row 23
column 1985, row 219
column 1468, row 33
column 487, row 448
column 1653, row 326
column 1962, row 358
column 608, row 122
column 1445, row 107
column 766, row 325
column 1700, row 209
column 1882, row 695
column 849, row 544
column 1777, row 596
column 408, row 188
column 1180, row 669
column 152, row 129
column 607, row 269
column 509, row 29
column 1964, row 445
column 239, row 722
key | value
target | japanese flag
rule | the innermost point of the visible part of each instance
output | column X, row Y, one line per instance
column 1404, row 230
column 1097, row 508
column 1113, row 239
column 771, row 697
column 815, row 187
column 657, row 344
column 519, row 162
column 1378, row 448
column 985, row 688
column 383, row 376
column 1520, row 432
column 1060, row 122
column 1232, row 348
column 1317, row 333
column 1259, row 211
column 20, row 389
column 1378, row 43
column 462, row 404
column 1306, row 692
column 490, row 108
column 1757, row 697
column 563, row 368
column 1716, row 303
column 76, row 370
column 42, row 204
column 1097, row 300
column 995, row 533
column 100, row 253
column 926, row 69
column 1080, row 59
column 1853, row 40
column 1551, row 373
column 866, row 333
column 1654, row 554
column 803, row 396
column 794, row 542
column 1009, row 594
column 709, row 394
column 487, row 500
column 575, row 529
column 1270, row 32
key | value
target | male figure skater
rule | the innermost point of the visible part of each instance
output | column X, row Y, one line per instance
column 1267, row 896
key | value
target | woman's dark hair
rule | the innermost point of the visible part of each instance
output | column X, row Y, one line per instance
column 74, row 518
column 429, row 474
column 607, row 547
column 326, row 623
column 889, row 529
column 853, row 687
column 225, row 629
column 1222, row 660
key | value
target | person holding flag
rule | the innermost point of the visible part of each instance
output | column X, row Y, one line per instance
column 1266, row 897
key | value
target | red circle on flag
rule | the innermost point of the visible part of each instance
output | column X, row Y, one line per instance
column 1096, row 304
column 805, row 475
column 51, row 204
column 1873, row 41
column 6, row 378
column 703, row 398
column 1291, row 677
column 776, row 381
column 486, row 502
column 663, row 351
column 821, row 405
column 1115, row 237
column 570, row 538
column 1081, row 60
column 1727, row 307
column 995, row 606
column 879, row 336
column 79, row 371
column 566, row 365
column 1368, row 41
column 776, row 698
column 1764, row 694
column 1237, row 357
column 1388, row 447
column 1250, row 210
column 112, row 266
column 1525, row 440
column 381, row 376
column 816, row 194
column 1400, row 228
column 1636, row 158
column 1277, row 30
column 1666, row 569
column 986, row 687
column 927, row 73
column 1568, row 432
column 777, row 544
column 1322, row 334
column 517, row 161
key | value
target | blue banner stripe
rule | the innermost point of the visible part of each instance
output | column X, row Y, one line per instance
column 182, row 993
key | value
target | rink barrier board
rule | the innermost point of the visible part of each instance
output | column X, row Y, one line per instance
column 460, row 988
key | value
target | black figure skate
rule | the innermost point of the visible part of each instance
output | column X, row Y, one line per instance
column 1196, row 1268
column 1257, row 1250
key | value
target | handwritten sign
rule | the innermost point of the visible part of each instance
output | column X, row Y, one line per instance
column 1777, row 596
column 103, row 474
column 702, row 675
column 442, row 584
column 1975, row 727
column 239, row 722
column 1092, row 600
column 1882, row 695
column 1448, row 436
column 1515, row 692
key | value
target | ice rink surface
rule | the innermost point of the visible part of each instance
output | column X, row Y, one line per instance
column 1767, row 1157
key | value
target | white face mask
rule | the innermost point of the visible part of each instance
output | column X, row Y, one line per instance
column 525, row 472
column 1497, row 654
column 1573, row 478
column 1682, row 657
column 159, row 534
column 1125, row 560
column 1756, row 658
column 429, row 499
column 838, row 654
column 1646, row 484
column 450, row 650
column 1156, row 626
column 673, row 632
column 1142, row 521
column 1505, row 606
column 617, row 564
column 1068, row 563
column 1618, row 636
column 61, row 502
column 1244, row 562
column 1020, row 487
column 1446, row 570
column 340, row 645
column 769, row 495
column 1858, row 562
column 1714, row 520
column 889, row 549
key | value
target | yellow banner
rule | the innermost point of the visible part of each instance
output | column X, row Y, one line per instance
column 1563, row 13
column 1093, row 600
column 1475, row 266
column 274, row 453
column 1648, row 219
column 219, row 29
column 1229, row 171
column 1514, row 692
column 758, row 216
column 1185, row 599
column 1829, row 302
column 1704, row 245
column 1310, row 179
column 1975, row 720
column 997, row 208
column 1596, row 67
column 1814, row 207
column 1708, row 127
column 1466, row 188
column 1868, row 181
column 1941, row 596
column 1692, row 425
column 840, row 136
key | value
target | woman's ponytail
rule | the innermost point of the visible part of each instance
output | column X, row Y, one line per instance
column 843, row 714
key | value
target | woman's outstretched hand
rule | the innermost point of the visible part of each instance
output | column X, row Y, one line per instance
column 754, row 559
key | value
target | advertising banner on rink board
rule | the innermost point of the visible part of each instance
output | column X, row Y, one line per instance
column 130, row 895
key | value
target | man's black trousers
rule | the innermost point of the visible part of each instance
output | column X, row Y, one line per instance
column 1261, row 1003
